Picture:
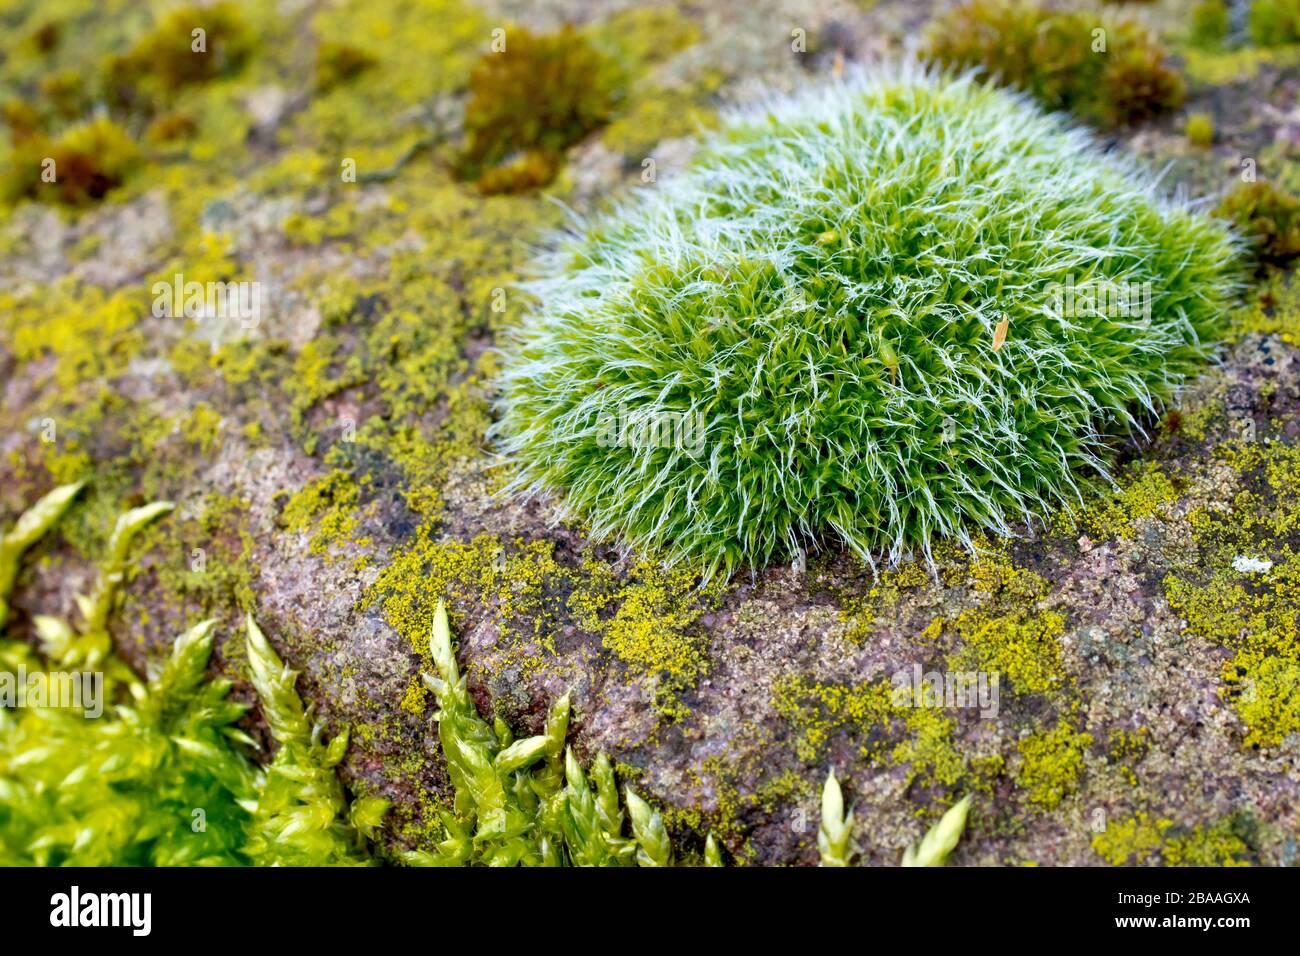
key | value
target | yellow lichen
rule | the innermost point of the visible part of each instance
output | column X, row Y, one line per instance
column 650, row 630
column 1143, row 837
column 887, row 732
column 1132, row 841
column 1051, row 763
column 1252, row 612
column 1024, row 648
column 327, row 509
column 1146, row 492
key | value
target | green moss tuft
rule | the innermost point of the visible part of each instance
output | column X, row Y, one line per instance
column 1274, row 22
column 130, row 772
column 531, row 802
column 866, row 334
column 1211, row 22
column 1199, row 129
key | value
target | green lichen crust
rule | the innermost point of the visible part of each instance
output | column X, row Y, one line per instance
column 839, row 323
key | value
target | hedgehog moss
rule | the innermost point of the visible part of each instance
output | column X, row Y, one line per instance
column 851, row 320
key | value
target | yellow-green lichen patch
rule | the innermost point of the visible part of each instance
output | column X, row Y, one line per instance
column 1273, row 308
column 1243, row 590
column 644, row 36
column 1051, row 764
column 886, row 732
column 1131, row 841
column 1144, row 838
column 518, row 583
column 1009, row 632
column 202, row 428
column 1144, row 493
column 1126, row 748
column 644, row 617
column 326, row 507
column 415, row 700
column 1222, row 67
column 401, row 338
column 992, row 574
column 1022, row 647
column 650, row 627
column 425, row 49
column 92, row 334
column 860, row 612
column 206, row 567
column 316, row 375
column 1223, row 843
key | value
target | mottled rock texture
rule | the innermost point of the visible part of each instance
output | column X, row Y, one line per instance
column 331, row 473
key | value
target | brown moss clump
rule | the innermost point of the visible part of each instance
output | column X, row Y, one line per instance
column 171, row 56
column 337, row 63
column 46, row 37
column 22, row 119
column 81, row 166
column 1105, row 71
column 170, row 127
column 537, row 97
column 530, row 170
column 1268, row 215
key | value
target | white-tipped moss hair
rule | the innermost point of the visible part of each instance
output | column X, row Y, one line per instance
column 847, row 295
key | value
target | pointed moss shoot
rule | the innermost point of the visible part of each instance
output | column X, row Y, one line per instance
column 941, row 839
column 31, row 526
column 530, row 801
column 835, row 836
column 896, row 307
column 158, row 777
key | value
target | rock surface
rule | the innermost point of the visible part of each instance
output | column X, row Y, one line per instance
column 331, row 474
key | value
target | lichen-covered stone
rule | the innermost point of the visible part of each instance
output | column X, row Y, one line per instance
column 331, row 474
